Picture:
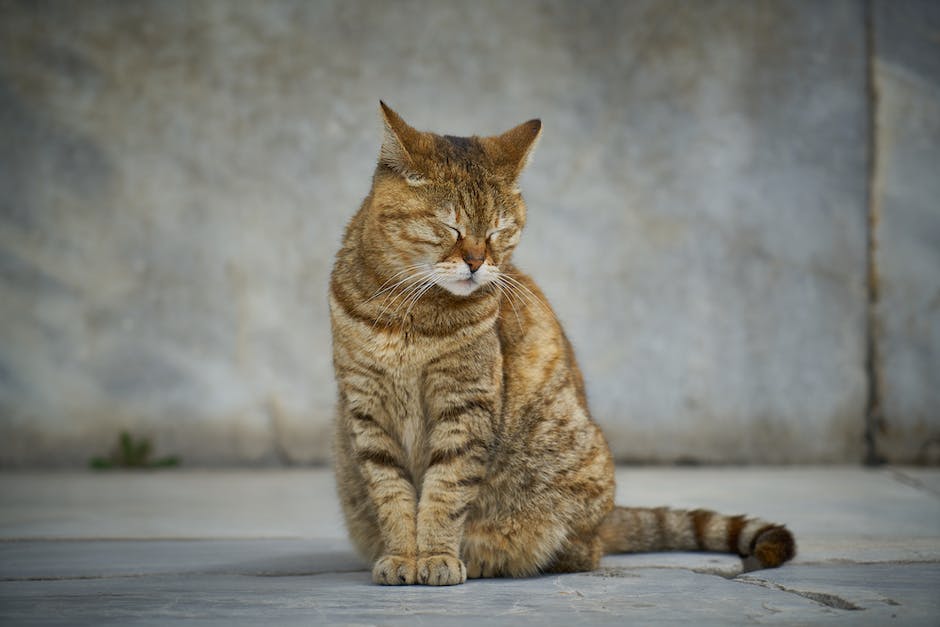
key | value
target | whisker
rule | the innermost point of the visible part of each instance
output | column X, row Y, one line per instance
column 517, row 294
column 411, row 283
column 526, row 289
column 404, row 284
column 420, row 282
column 382, row 287
column 524, row 298
column 417, row 294
column 431, row 283
column 505, row 294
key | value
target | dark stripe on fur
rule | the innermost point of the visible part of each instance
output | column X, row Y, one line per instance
column 774, row 546
column 661, row 513
column 700, row 520
column 379, row 458
column 735, row 525
column 435, row 331
column 365, row 418
column 348, row 304
column 418, row 240
column 447, row 455
column 371, row 368
column 758, row 535
column 456, row 515
column 453, row 413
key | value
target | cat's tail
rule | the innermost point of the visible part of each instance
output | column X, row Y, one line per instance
column 640, row 530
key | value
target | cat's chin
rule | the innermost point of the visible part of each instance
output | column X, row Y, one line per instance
column 461, row 287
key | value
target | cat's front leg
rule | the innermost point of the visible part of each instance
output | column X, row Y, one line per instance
column 463, row 398
column 392, row 494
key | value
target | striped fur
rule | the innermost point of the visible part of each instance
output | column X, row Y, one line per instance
column 463, row 444
column 634, row 529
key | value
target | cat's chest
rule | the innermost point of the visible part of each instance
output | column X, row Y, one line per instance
column 406, row 414
column 400, row 351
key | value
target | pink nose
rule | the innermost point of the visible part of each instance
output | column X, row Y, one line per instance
column 474, row 261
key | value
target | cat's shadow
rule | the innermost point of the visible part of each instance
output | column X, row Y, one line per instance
column 344, row 560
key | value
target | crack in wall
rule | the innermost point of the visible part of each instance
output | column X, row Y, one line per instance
column 874, row 417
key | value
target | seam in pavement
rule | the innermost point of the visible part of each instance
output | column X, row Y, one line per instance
column 901, row 477
column 83, row 577
column 180, row 573
column 14, row 539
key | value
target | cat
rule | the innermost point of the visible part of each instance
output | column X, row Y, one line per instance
column 463, row 444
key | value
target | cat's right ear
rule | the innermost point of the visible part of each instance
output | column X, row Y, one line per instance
column 399, row 145
column 512, row 150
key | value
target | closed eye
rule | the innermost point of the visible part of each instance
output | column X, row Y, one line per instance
column 455, row 230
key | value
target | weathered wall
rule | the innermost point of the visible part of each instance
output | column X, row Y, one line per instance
column 906, row 195
column 176, row 176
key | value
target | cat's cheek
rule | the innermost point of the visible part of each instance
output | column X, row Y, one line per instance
column 484, row 275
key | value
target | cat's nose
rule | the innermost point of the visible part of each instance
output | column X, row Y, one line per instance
column 474, row 261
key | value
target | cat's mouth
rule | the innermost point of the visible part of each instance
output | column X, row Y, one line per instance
column 461, row 287
column 460, row 280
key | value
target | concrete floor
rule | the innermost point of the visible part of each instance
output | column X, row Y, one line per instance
column 245, row 547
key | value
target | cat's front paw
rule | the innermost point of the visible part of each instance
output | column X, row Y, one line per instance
column 394, row 570
column 441, row 570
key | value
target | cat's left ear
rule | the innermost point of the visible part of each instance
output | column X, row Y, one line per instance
column 400, row 144
column 512, row 150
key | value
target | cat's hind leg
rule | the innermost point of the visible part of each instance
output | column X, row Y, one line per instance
column 578, row 555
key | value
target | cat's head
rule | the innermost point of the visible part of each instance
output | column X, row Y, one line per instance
column 445, row 210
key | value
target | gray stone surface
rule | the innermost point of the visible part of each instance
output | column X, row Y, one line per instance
column 855, row 565
column 170, row 505
column 609, row 597
column 839, row 512
column 907, row 198
column 106, row 559
column 882, row 590
column 176, row 176
column 921, row 478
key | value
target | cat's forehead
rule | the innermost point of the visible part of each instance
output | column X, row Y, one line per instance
column 465, row 149
column 462, row 177
column 471, row 195
column 460, row 161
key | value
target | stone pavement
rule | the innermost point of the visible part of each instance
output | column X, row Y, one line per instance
column 253, row 546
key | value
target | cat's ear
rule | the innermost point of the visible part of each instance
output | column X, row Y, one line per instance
column 512, row 150
column 399, row 144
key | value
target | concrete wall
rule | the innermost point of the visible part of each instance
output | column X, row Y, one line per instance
column 176, row 177
column 906, row 195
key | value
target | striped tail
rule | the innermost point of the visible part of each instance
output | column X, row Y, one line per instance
column 640, row 530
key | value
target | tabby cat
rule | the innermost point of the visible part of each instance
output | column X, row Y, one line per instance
column 464, row 446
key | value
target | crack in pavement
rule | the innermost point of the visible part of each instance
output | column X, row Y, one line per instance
column 823, row 598
column 901, row 477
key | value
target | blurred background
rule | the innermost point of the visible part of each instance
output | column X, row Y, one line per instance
column 734, row 209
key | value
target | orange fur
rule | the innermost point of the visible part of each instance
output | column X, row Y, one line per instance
column 464, row 446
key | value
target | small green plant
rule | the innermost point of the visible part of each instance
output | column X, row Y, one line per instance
column 132, row 452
